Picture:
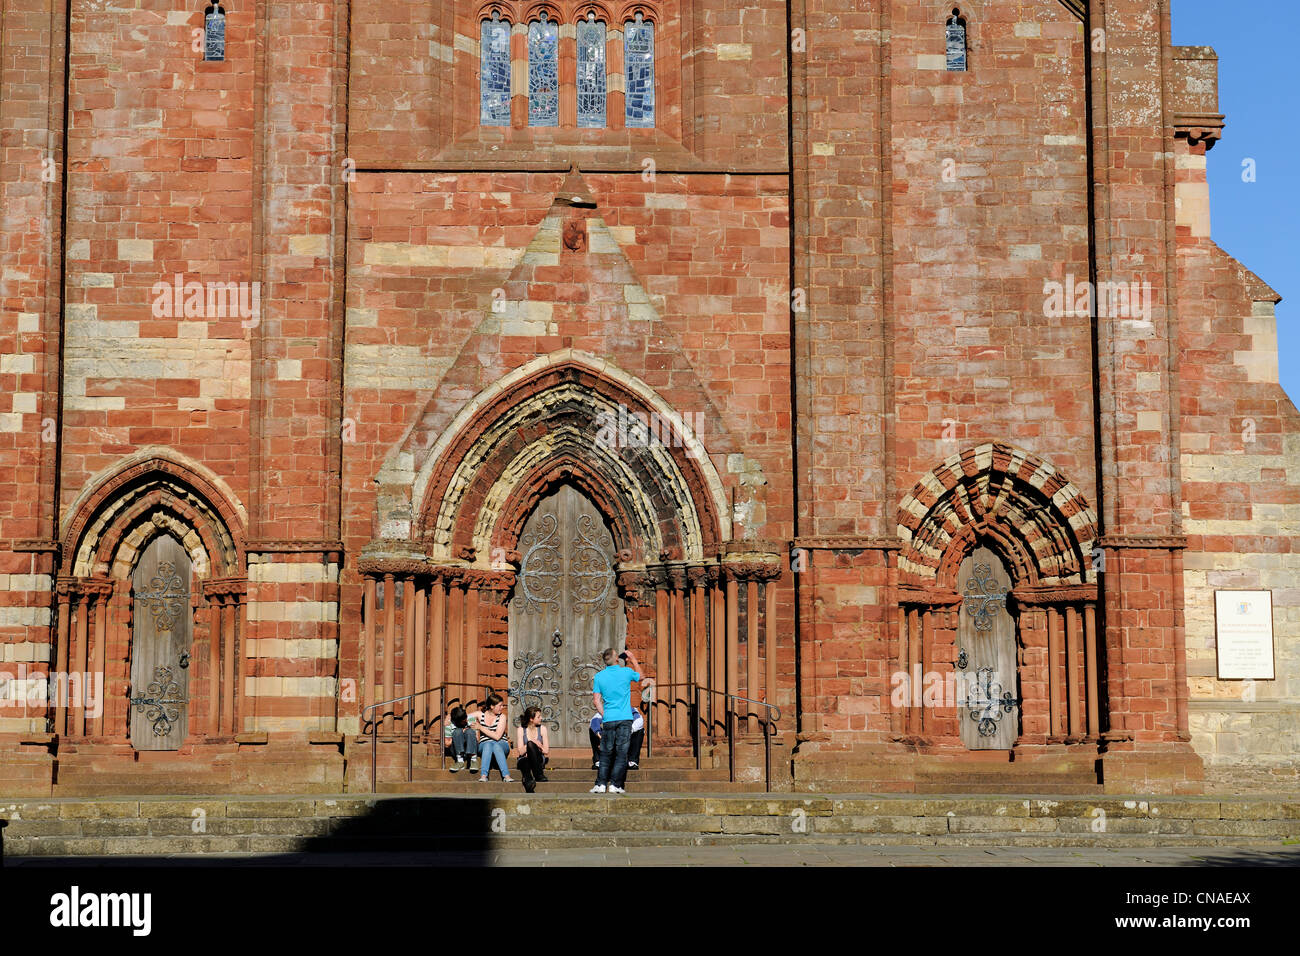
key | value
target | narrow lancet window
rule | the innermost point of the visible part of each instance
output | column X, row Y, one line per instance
column 543, row 72
column 956, row 37
column 591, row 72
column 639, row 55
column 214, row 33
column 494, row 91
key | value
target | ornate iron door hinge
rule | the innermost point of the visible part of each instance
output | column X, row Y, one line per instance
column 162, row 705
column 989, row 702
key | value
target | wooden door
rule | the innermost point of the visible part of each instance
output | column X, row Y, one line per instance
column 988, row 689
column 564, row 611
column 160, row 646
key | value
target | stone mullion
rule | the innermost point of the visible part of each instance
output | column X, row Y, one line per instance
column 567, row 51
column 615, row 78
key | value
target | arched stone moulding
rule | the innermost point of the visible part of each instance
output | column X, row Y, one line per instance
column 440, row 600
column 1045, row 532
column 672, row 497
column 153, row 492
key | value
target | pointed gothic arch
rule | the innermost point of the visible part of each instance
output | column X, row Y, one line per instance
column 645, row 467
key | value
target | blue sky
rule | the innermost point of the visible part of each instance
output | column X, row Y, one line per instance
column 1256, row 223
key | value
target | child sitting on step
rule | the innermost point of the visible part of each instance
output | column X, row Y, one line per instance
column 460, row 738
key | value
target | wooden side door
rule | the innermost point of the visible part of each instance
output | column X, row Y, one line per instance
column 161, row 635
column 988, row 685
column 564, row 611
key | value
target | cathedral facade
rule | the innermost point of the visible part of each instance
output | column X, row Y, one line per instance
column 868, row 368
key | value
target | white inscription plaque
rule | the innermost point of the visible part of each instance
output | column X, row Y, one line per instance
column 1243, row 624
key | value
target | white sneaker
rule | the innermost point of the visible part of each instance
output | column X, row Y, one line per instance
column 633, row 766
column 598, row 788
column 614, row 789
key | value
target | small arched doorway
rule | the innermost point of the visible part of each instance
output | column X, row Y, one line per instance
column 564, row 610
column 162, row 625
column 988, row 703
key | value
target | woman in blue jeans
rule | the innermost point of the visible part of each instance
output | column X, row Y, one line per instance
column 492, row 738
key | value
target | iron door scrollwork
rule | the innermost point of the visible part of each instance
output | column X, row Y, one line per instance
column 542, row 569
column 538, row 684
column 166, row 598
column 989, row 702
column 581, row 708
column 984, row 597
column 162, row 702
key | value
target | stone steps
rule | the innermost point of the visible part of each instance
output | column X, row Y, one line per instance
column 159, row 826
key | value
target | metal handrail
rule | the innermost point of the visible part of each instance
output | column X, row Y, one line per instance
column 769, row 722
column 408, row 715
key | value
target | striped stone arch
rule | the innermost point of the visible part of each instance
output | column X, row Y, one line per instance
column 995, row 492
column 541, row 425
column 152, row 493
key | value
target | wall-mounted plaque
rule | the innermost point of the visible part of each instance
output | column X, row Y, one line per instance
column 1243, row 627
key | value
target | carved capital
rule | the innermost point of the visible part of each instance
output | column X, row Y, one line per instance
column 933, row 597
column 1032, row 595
column 225, row 587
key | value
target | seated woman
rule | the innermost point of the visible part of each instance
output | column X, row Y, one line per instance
column 533, row 742
column 493, row 740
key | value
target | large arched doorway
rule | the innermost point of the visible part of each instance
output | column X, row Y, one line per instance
column 564, row 610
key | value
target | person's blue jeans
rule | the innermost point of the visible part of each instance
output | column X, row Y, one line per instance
column 615, row 735
column 464, row 742
column 489, row 748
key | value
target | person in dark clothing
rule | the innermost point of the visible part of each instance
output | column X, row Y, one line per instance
column 534, row 744
column 633, row 747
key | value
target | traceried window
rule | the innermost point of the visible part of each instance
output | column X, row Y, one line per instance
column 543, row 72
column 639, row 57
column 214, row 32
column 591, row 72
column 589, row 53
column 494, row 92
column 956, row 40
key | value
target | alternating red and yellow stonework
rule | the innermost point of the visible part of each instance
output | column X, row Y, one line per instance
column 300, row 311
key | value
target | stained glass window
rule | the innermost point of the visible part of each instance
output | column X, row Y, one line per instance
column 956, row 37
column 543, row 72
column 494, row 76
column 214, row 33
column 639, row 55
column 591, row 72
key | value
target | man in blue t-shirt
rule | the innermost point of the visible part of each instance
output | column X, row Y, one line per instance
column 612, row 697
